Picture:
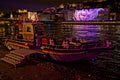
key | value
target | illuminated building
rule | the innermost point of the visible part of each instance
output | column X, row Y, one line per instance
column 87, row 14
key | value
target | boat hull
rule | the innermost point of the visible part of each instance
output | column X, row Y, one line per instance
column 66, row 55
column 69, row 56
column 74, row 57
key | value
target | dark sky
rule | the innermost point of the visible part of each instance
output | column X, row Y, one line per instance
column 31, row 4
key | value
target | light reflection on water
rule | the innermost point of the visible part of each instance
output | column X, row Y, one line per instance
column 107, row 66
column 109, row 61
column 82, row 32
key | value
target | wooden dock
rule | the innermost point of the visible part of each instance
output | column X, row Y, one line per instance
column 18, row 57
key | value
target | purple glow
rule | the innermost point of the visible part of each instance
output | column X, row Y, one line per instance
column 85, row 32
column 86, row 14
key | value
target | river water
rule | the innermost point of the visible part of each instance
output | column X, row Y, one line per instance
column 106, row 67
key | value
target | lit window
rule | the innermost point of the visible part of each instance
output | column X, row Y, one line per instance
column 28, row 29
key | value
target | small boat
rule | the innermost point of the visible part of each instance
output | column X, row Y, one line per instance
column 75, row 51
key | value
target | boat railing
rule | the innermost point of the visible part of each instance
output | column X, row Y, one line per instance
column 81, row 46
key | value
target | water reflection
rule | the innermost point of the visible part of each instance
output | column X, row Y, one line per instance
column 81, row 32
column 107, row 62
column 85, row 32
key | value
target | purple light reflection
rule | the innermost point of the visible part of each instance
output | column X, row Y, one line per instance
column 85, row 32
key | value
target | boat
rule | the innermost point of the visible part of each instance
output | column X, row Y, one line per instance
column 32, row 36
column 72, row 51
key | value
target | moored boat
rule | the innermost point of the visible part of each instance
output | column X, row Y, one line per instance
column 75, row 51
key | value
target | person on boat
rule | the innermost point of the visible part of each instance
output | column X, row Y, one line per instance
column 51, row 42
column 108, row 44
column 65, row 44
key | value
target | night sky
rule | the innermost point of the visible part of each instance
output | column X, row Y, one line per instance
column 31, row 4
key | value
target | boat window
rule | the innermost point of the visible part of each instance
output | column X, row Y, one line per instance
column 28, row 29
